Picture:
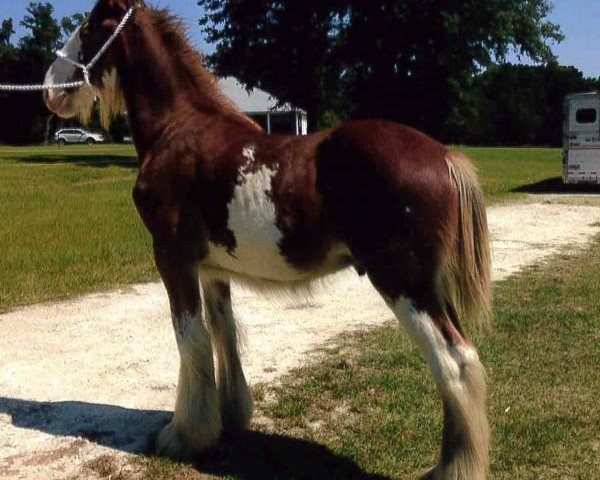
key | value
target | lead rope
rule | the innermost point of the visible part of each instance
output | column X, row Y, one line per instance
column 84, row 68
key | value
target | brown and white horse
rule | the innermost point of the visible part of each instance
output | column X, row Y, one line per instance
column 224, row 200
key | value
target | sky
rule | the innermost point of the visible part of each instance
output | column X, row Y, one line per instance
column 577, row 18
column 186, row 9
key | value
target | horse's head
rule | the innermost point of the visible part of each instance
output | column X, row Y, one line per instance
column 81, row 48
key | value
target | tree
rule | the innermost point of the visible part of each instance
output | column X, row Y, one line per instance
column 24, row 117
column 411, row 61
column 7, row 50
column 45, row 32
column 69, row 24
column 283, row 47
column 6, row 31
column 523, row 105
column 25, row 113
column 8, row 62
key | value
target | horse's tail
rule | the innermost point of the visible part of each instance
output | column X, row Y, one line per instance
column 466, row 276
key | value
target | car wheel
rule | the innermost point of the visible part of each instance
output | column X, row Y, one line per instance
column 90, row 141
column 61, row 142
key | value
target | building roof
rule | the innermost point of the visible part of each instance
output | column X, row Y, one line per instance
column 254, row 101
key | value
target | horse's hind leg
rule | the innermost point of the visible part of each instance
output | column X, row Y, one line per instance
column 234, row 395
column 196, row 423
column 460, row 379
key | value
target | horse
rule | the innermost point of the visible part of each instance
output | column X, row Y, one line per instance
column 225, row 201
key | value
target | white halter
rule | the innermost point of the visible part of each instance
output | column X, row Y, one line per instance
column 84, row 68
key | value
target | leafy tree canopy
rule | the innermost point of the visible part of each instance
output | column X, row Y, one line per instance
column 411, row 61
column 23, row 116
column 522, row 105
column 45, row 33
column 69, row 24
column 6, row 31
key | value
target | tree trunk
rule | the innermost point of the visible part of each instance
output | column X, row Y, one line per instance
column 48, row 126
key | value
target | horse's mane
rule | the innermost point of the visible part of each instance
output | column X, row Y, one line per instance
column 204, row 86
column 174, row 34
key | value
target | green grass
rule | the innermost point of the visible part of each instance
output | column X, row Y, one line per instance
column 68, row 223
column 70, row 227
column 509, row 173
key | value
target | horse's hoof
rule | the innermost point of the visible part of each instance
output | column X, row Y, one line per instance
column 440, row 473
column 172, row 444
column 237, row 417
column 429, row 475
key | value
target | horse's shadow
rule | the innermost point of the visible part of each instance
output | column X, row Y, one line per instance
column 251, row 456
column 82, row 159
column 112, row 426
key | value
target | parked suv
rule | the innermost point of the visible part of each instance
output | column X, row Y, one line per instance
column 77, row 135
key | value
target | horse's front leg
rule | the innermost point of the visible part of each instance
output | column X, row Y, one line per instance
column 196, row 423
column 234, row 395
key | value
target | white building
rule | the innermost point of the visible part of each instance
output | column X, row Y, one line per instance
column 264, row 109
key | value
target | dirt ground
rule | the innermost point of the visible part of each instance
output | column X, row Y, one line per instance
column 98, row 374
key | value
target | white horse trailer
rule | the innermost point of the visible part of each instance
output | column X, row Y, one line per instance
column 581, row 138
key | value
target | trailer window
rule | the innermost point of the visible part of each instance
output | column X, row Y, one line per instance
column 586, row 115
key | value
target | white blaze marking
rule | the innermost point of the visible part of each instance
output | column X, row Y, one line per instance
column 81, row 101
column 62, row 71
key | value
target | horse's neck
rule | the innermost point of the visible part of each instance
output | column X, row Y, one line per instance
column 159, row 87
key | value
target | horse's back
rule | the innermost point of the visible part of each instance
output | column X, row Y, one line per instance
column 376, row 169
column 399, row 153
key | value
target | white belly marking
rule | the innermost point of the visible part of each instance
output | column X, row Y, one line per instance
column 253, row 221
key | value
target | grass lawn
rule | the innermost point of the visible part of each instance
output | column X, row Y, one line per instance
column 369, row 410
column 68, row 223
column 70, row 227
column 507, row 173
